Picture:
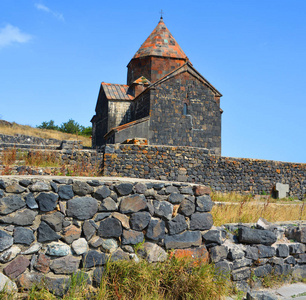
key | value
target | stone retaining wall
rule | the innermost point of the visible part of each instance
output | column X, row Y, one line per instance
column 52, row 227
column 26, row 139
column 198, row 165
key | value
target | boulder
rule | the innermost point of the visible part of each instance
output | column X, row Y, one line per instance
column 256, row 236
column 183, row 240
column 47, row 201
column 177, row 225
column 133, row 203
column 6, row 240
column 23, row 236
column 82, row 208
column 110, row 227
column 140, row 220
column 10, row 204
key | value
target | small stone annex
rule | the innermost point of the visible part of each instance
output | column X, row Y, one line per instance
column 165, row 101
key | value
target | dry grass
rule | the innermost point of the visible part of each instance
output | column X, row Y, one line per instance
column 42, row 133
column 250, row 212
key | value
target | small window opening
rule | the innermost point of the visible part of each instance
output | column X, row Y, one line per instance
column 185, row 109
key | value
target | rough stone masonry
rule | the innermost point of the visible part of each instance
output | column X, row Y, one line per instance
column 52, row 227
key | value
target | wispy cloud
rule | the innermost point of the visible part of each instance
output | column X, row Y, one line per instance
column 50, row 11
column 11, row 34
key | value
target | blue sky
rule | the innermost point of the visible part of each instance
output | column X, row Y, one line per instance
column 54, row 54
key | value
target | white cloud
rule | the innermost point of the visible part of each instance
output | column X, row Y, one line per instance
column 11, row 34
column 48, row 10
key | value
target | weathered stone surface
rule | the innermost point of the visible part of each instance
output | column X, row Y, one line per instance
column 296, row 248
column 298, row 234
column 96, row 242
column 132, row 237
column 102, row 193
column 15, row 188
column 251, row 252
column 223, row 267
column 6, row 240
column 82, row 208
column 23, row 236
column 109, row 245
column 163, row 209
column 186, row 190
column 213, row 236
column 71, row 233
column 243, row 262
column 177, row 225
column 93, row 258
column 290, row 260
column 1, row 193
column 140, row 188
column 171, row 189
column 133, row 203
column 9, row 254
column 30, row 201
column 54, row 187
column 260, row 295
column 124, row 189
column 10, row 204
column 284, row 269
column 199, row 254
column 2, row 185
column 124, row 219
column 65, row 192
column 241, row 274
column 256, row 236
column 40, row 186
column 110, row 227
column 42, row 263
column 54, row 220
column 156, row 229
column 58, row 249
column 47, row 201
column 176, row 198
column 218, row 253
column 89, row 229
column 235, row 252
column 119, row 254
column 262, row 271
column 183, row 240
column 140, row 220
column 22, row 217
column 7, row 285
column 201, row 190
column 282, row 250
column 201, row 221
column 81, row 188
column 16, row 267
column 79, row 246
column 152, row 252
column 102, row 216
column 65, row 265
column 33, row 249
column 46, row 233
column 57, row 285
column 265, row 251
column 27, row 280
column 204, row 203
column 108, row 204
column 187, row 207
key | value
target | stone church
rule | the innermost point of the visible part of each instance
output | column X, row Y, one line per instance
column 166, row 100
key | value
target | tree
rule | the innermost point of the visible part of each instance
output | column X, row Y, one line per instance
column 48, row 125
column 71, row 127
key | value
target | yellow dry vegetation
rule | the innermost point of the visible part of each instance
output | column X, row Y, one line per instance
column 15, row 128
column 250, row 212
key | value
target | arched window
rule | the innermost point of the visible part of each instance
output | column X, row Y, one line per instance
column 185, row 109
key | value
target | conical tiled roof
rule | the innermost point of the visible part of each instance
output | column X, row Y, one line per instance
column 160, row 43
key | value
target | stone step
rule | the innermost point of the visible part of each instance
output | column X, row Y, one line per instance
column 28, row 146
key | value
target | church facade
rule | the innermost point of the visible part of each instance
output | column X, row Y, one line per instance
column 166, row 100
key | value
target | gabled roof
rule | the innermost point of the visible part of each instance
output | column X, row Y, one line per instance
column 186, row 67
column 142, row 80
column 116, row 91
column 160, row 43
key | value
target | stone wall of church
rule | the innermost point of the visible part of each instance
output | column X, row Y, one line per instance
column 224, row 174
column 199, row 127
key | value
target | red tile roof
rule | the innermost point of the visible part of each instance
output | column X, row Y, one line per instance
column 160, row 43
column 116, row 91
